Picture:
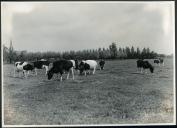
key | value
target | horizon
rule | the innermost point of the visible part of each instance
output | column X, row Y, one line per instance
column 135, row 48
column 74, row 26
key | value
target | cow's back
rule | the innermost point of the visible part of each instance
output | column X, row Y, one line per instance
column 92, row 63
column 20, row 65
column 62, row 65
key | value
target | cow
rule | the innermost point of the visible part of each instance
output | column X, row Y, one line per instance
column 102, row 63
column 40, row 65
column 143, row 64
column 87, row 65
column 24, row 67
column 61, row 66
column 159, row 61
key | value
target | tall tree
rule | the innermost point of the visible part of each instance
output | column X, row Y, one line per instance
column 100, row 53
column 128, row 53
column 11, row 52
column 144, row 53
column 132, row 52
column 113, row 50
column 138, row 52
column 5, row 53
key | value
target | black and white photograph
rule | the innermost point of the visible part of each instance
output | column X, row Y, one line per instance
column 88, row 63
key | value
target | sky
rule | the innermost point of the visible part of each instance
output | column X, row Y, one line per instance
column 65, row 26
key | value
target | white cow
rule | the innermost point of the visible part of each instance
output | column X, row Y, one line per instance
column 24, row 67
column 87, row 65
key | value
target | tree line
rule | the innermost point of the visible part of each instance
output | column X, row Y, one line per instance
column 112, row 52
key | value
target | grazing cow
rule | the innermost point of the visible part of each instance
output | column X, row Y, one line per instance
column 102, row 63
column 142, row 64
column 159, row 61
column 41, row 64
column 87, row 65
column 61, row 66
column 24, row 67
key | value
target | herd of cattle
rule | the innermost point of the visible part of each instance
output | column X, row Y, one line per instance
column 67, row 66
column 58, row 67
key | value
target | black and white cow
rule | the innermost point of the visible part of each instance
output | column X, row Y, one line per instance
column 102, row 63
column 159, row 61
column 24, row 67
column 40, row 65
column 143, row 64
column 86, row 66
column 61, row 66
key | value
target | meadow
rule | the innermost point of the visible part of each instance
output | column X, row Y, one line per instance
column 116, row 95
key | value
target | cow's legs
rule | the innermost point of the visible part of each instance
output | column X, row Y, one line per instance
column 72, row 71
column 46, row 69
column 68, row 75
column 25, row 74
column 85, row 73
column 94, row 70
column 61, row 73
column 141, row 70
column 35, row 71
column 61, row 78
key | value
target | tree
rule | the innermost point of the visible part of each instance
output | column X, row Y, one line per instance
column 138, row 52
column 128, row 53
column 101, row 53
column 11, row 52
column 132, row 52
column 5, row 53
column 148, row 53
column 113, row 50
column 23, row 55
column 143, row 54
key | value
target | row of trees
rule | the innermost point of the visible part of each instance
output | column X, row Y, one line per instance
column 10, row 55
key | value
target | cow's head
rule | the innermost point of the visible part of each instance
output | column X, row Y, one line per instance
column 81, row 67
column 151, row 69
column 76, row 64
column 50, row 74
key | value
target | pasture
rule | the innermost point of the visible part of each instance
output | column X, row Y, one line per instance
column 115, row 95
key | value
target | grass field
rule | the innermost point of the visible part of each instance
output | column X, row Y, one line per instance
column 116, row 95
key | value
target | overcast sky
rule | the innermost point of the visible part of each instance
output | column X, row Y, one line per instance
column 63, row 26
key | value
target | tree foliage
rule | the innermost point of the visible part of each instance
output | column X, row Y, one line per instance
column 112, row 52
